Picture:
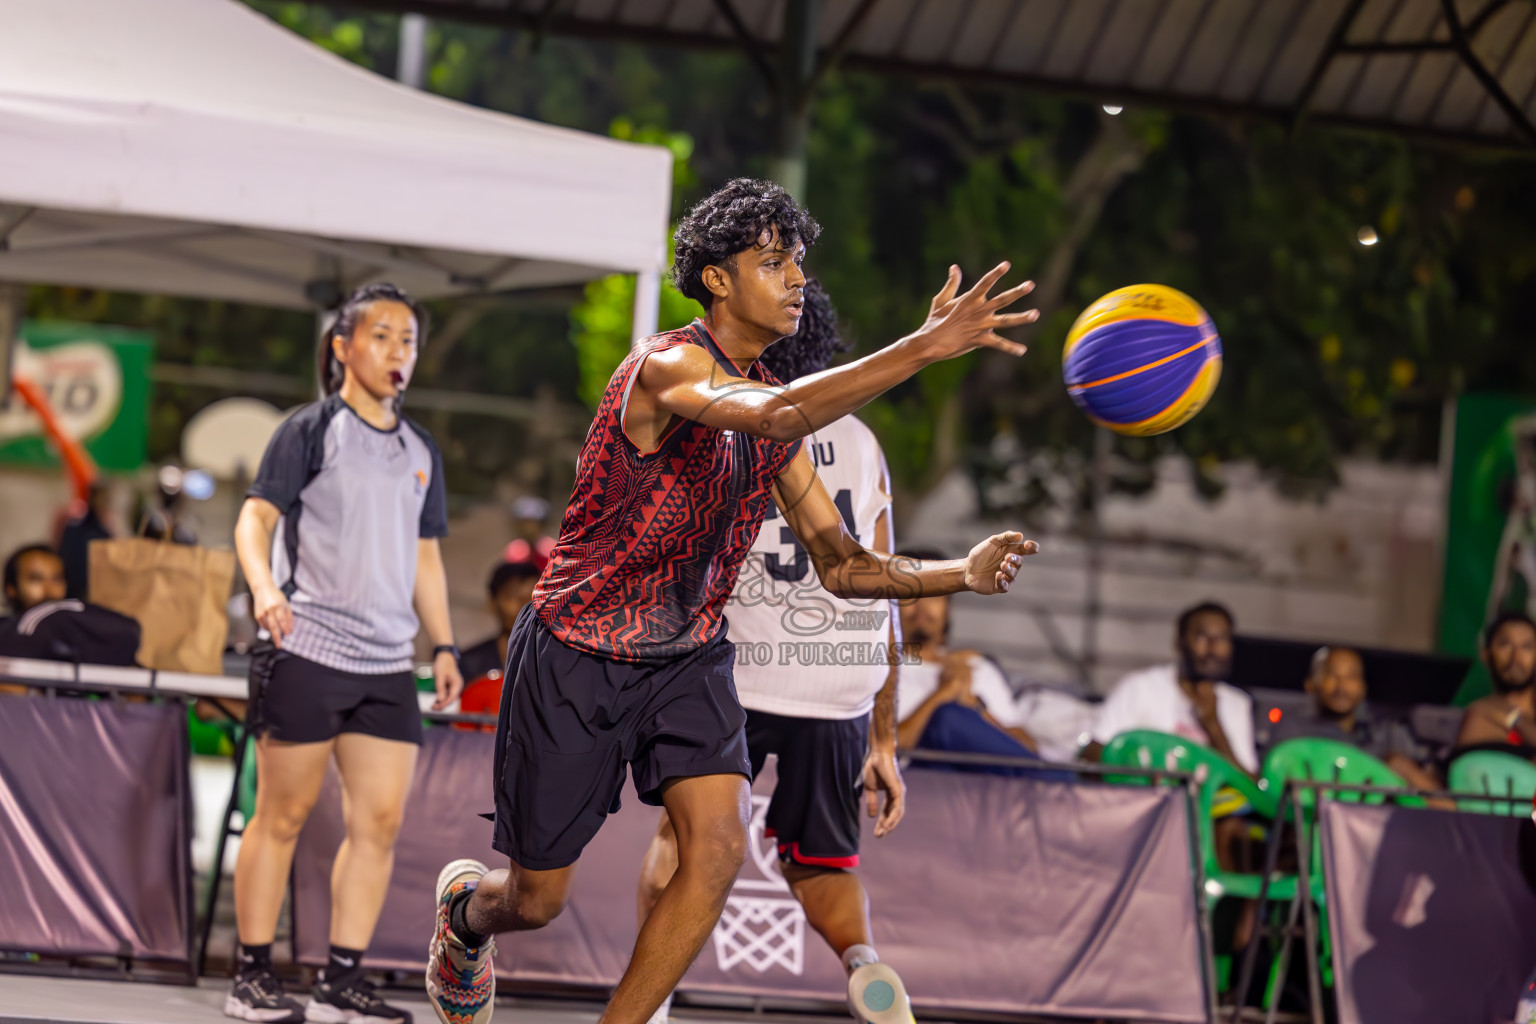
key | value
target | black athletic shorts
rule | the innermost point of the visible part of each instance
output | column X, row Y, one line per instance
column 814, row 813
column 571, row 721
column 296, row 700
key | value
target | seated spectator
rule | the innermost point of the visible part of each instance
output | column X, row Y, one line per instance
column 956, row 701
column 33, row 574
column 1339, row 712
column 45, row 625
column 1505, row 720
column 1190, row 698
column 511, row 588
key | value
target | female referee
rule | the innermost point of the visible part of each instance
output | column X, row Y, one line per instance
column 354, row 494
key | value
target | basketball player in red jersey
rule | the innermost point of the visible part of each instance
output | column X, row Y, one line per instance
column 621, row 659
column 817, row 676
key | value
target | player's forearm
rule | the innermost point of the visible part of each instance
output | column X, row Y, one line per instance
column 818, row 399
column 253, row 546
column 432, row 594
column 870, row 574
column 882, row 722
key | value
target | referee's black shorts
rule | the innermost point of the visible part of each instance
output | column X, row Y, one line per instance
column 814, row 813
column 571, row 721
column 295, row 700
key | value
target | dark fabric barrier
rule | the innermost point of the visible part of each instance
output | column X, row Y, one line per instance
column 1432, row 918
column 995, row 894
column 93, row 828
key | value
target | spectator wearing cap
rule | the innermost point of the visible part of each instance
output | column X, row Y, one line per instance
column 511, row 588
column 1339, row 712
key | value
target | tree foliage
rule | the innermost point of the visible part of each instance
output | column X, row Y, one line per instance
column 1332, row 348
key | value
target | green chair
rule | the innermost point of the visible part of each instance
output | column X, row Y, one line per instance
column 1494, row 774
column 1309, row 759
column 210, row 739
column 1144, row 748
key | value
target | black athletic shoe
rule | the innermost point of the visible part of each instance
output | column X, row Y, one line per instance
column 258, row 996
column 351, row 1001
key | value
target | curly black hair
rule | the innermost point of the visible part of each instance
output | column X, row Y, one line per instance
column 730, row 221
column 811, row 348
column 332, row 373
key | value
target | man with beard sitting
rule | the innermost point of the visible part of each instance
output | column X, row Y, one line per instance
column 1505, row 720
column 1190, row 698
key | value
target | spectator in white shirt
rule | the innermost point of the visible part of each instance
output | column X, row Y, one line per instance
column 1190, row 698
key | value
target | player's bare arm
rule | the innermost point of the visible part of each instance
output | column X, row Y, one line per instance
column 882, row 775
column 687, row 382
column 848, row 569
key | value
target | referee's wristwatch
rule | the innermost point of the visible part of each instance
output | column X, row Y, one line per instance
column 452, row 649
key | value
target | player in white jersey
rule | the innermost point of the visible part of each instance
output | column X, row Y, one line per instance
column 817, row 675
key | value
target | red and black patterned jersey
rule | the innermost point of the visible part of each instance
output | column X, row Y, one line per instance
column 651, row 542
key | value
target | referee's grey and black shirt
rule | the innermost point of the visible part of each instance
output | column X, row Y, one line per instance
column 355, row 499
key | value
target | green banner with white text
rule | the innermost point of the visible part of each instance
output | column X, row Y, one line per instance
column 96, row 378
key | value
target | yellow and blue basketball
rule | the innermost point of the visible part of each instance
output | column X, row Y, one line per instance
column 1142, row 360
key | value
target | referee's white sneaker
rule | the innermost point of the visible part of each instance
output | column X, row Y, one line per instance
column 877, row 996
column 461, row 986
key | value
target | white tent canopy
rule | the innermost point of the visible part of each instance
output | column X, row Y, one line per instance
column 194, row 148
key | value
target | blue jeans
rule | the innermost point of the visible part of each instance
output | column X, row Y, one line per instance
column 961, row 730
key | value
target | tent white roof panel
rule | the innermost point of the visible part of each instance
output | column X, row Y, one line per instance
column 193, row 147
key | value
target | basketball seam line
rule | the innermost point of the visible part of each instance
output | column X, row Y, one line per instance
column 1157, row 415
column 1142, row 369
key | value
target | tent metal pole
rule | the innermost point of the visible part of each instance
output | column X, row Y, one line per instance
column 411, row 66
column 795, row 78
column 13, row 303
column 647, row 305
column 1093, row 609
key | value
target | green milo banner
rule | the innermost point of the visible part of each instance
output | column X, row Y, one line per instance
column 1490, row 551
column 97, row 380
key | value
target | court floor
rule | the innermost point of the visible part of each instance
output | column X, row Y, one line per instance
column 44, row 1000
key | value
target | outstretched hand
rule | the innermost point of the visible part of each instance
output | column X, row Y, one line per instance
column 963, row 322
column 992, row 565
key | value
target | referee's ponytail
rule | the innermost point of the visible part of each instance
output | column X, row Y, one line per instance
column 330, row 372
